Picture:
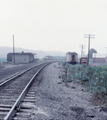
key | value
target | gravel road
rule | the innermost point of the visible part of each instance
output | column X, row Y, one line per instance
column 55, row 101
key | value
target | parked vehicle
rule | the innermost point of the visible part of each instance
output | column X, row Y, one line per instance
column 83, row 60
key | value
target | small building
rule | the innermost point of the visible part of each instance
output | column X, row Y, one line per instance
column 99, row 58
column 48, row 58
column 20, row 58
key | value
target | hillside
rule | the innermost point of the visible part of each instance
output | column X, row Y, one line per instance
column 40, row 54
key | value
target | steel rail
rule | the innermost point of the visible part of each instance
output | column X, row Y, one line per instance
column 17, row 75
column 16, row 105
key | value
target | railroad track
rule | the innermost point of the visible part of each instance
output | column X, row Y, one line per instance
column 13, row 91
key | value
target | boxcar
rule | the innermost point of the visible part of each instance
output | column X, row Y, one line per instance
column 83, row 60
column 72, row 57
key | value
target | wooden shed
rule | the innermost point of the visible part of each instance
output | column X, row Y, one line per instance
column 20, row 58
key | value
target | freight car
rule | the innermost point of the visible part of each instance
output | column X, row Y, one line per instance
column 72, row 57
column 83, row 60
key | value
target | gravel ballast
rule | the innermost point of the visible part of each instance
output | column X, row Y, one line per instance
column 54, row 101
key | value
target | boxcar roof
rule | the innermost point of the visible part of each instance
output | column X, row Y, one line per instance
column 72, row 53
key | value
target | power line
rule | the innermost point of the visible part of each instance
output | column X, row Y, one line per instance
column 89, row 36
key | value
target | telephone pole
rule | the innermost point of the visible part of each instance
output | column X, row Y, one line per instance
column 106, row 51
column 89, row 36
column 82, row 47
column 106, row 55
column 13, row 51
column 81, row 50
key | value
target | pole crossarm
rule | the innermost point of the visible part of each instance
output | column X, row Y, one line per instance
column 90, row 37
column 86, row 34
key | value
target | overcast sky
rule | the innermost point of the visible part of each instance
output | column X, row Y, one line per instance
column 55, row 25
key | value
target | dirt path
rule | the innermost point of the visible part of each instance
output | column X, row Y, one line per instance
column 62, row 102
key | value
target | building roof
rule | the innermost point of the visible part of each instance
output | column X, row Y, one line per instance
column 72, row 53
column 22, row 53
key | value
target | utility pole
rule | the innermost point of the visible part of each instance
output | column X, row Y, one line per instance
column 89, row 36
column 81, row 51
column 106, row 55
column 106, row 51
column 82, row 47
column 13, row 51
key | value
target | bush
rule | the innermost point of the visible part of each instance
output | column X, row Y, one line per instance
column 93, row 78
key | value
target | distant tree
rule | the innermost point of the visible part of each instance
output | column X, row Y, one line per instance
column 92, row 50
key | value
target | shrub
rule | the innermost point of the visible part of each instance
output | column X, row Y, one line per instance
column 93, row 78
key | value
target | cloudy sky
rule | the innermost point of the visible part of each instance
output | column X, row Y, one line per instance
column 55, row 25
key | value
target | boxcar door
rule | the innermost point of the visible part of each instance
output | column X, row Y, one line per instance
column 73, row 58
